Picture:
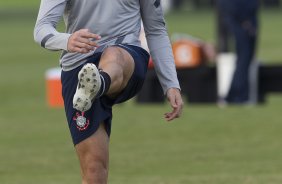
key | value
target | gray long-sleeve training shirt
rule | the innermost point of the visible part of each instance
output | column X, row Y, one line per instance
column 111, row 19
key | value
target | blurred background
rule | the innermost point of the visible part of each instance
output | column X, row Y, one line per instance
column 210, row 143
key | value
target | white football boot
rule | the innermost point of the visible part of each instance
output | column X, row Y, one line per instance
column 88, row 86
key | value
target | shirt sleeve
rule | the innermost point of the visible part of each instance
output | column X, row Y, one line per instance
column 45, row 33
column 159, row 43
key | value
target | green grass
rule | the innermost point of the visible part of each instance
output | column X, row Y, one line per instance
column 208, row 145
column 14, row 4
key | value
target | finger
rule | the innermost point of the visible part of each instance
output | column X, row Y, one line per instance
column 80, row 50
column 171, row 116
column 86, row 37
column 79, row 47
column 86, row 34
column 84, row 46
column 87, row 41
column 175, row 100
column 176, row 112
column 83, row 40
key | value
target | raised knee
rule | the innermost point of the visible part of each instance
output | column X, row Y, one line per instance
column 119, row 65
column 113, row 54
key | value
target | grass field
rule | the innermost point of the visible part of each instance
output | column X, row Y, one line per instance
column 208, row 145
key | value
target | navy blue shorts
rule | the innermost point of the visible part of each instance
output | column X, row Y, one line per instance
column 84, row 124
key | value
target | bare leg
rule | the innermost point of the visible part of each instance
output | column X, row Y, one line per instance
column 119, row 64
column 93, row 154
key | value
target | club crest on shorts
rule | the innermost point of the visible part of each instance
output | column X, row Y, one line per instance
column 81, row 122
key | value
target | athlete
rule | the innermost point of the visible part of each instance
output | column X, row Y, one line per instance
column 103, row 64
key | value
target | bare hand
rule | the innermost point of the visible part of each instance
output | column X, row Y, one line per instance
column 175, row 100
column 81, row 41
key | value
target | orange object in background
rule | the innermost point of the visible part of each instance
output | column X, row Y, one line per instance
column 187, row 53
column 54, row 88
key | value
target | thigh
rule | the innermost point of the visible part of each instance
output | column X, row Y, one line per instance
column 93, row 152
column 114, row 58
column 134, row 85
column 119, row 64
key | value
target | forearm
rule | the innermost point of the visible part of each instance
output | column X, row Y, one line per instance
column 45, row 32
column 164, row 62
